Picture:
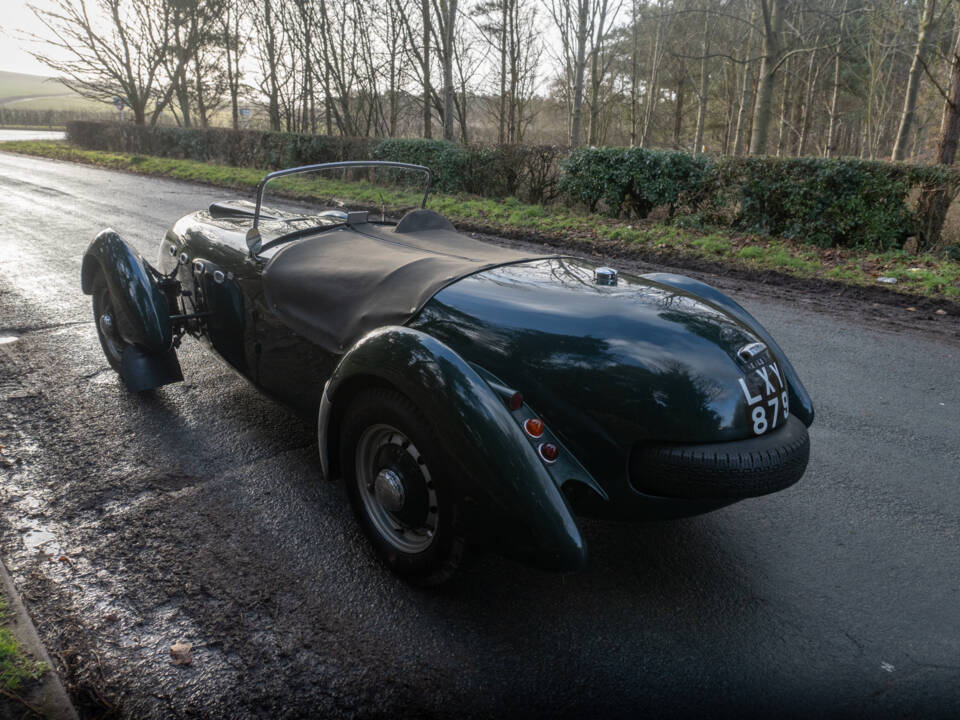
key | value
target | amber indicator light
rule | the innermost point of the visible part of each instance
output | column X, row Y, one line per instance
column 534, row 427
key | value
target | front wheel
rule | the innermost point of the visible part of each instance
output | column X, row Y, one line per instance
column 107, row 321
column 398, row 479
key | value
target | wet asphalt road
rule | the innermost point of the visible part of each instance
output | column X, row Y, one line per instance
column 199, row 513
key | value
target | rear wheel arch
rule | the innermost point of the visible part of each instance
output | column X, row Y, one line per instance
column 345, row 394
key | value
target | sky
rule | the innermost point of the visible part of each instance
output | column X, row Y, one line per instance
column 15, row 20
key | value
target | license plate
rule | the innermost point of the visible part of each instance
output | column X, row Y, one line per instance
column 767, row 397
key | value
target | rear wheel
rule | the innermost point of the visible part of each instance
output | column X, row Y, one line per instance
column 107, row 320
column 397, row 477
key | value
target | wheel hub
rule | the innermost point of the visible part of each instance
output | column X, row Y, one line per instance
column 388, row 488
column 106, row 325
column 396, row 489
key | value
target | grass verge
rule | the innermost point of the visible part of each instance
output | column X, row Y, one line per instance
column 16, row 668
column 925, row 275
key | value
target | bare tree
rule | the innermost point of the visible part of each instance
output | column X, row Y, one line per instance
column 574, row 19
column 913, row 83
column 114, row 48
column 234, row 41
column 935, row 201
column 269, row 48
column 771, row 29
column 600, row 61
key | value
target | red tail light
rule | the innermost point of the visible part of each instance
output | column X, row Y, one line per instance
column 515, row 402
column 549, row 452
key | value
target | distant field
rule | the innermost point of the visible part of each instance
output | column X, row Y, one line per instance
column 59, row 102
column 33, row 92
column 13, row 85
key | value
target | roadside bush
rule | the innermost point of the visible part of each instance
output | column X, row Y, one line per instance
column 240, row 148
column 633, row 181
column 528, row 172
column 826, row 202
column 449, row 162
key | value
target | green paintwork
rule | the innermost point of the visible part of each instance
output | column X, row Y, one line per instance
column 800, row 403
column 500, row 469
column 132, row 287
column 606, row 367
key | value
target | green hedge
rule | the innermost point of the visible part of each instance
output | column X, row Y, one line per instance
column 632, row 181
column 844, row 202
column 531, row 173
column 240, row 148
column 827, row 202
column 528, row 172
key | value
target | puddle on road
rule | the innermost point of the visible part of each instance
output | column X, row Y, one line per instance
column 29, row 503
column 41, row 541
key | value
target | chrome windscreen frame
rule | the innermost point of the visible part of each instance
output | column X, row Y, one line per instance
column 334, row 165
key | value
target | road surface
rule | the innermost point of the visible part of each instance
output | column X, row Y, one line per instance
column 9, row 134
column 198, row 514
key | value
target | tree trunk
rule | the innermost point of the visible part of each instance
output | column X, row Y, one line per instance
column 704, row 80
column 913, row 82
column 450, row 8
column 634, row 73
column 653, row 86
column 583, row 17
column 427, row 90
column 745, row 93
column 772, row 17
column 934, row 202
column 596, row 74
column 785, row 109
column 678, row 108
column 813, row 77
column 832, row 130
column 502, row 128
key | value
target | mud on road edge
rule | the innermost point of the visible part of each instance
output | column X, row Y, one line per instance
column 46, row 698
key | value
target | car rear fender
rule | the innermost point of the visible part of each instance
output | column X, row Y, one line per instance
column 800, row 403
column 498, row 467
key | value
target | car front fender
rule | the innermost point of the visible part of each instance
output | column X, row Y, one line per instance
column 800, row 403
column 498, row 467
column 147, row 319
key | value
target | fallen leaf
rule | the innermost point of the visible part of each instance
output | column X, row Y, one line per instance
column 941, row 312
column 180, row 653
column 911, row 309
column 111, row 617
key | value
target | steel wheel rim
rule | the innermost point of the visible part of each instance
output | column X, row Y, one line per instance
column 407, row 538
column 107, row 327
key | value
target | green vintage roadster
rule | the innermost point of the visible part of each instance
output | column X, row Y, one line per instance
column 467, row 394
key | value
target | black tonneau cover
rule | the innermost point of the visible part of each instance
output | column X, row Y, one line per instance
column 337, row 286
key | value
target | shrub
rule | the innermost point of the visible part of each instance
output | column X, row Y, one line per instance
column 827, row 202
column 240, row 148
column 633, row 180
column 448, row 161
column 846, row 202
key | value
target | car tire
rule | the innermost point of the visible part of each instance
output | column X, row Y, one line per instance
column 398, row 479
column 106, row 318
column 723, row 471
